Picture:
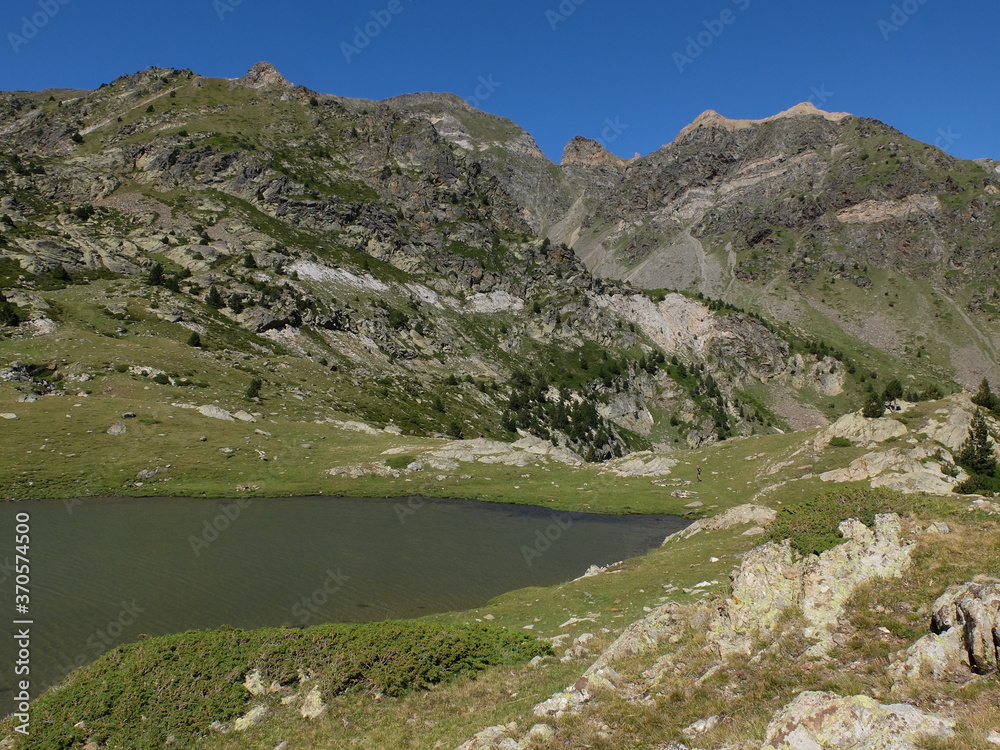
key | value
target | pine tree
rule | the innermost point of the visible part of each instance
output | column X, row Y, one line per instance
column 977, row 454
column 155, row 277
column 194, row 339
column 214, row 299
column 985, row 397
column 875, row 407
column 8, row 314
column 893, row 390
column 253, row 390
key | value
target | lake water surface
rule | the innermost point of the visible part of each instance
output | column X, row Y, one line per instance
column 105, row 571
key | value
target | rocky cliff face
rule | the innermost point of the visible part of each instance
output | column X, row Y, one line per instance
column 404, row 237
column 774, row 213
column 399, row 237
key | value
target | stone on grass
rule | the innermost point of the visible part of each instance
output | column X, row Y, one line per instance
column 118, row 428
column 251, row 719
column 817, row 720
column 313, row 705
column 215, row 412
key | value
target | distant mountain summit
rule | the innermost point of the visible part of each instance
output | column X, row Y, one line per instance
column 264, row 75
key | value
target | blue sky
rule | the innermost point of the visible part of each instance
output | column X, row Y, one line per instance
column 629, row 72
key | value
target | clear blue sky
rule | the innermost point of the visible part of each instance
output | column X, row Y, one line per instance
column 559, row 68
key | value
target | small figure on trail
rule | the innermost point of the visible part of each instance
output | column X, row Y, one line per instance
column 699, row 472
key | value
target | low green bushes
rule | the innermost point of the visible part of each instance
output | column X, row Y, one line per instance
column 177, row 685
column 812, row 526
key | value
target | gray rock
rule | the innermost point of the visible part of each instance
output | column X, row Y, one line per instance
column 215, row 412
column 129, row 415
column 251, row 719
column 773, row 578
column 254, row 683
column 8, row 415
column 817, row 720
column 313, row 705
column 27, row 398
column 244, row 416
column 118, row 428
column 700, row 727
column 972, row 610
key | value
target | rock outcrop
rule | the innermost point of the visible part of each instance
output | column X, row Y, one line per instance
column 860, row 431
column 264, row 75
column 773, row 578
column 584, row 152
column 965, row 641
column 758, row 515
column 972, row 613
column 824, row 721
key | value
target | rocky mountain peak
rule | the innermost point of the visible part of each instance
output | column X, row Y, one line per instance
column 712, row 119
column 584, row 152
column 264, row 75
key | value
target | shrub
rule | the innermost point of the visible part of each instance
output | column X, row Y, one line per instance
column 76, row 138
column 9, row 317
column 214, row 299
column 161, row 378
column 203, row 672
column 83, row 212
column 121, row 367
column 194, row 339
column 155, row 277
column 840, row 442
column 253, row 390
column 875, row 407
column 812, row 526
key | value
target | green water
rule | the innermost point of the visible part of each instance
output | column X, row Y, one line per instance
column 103, row 572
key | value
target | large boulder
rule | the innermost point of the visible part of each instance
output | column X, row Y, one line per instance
column 758, row 515
column 824, row 721
column 773, row 578
column 860, row 430
column 829, row 580
column 769, row 582
column 972, row 612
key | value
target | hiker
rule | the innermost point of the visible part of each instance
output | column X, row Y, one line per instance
column 699, row 472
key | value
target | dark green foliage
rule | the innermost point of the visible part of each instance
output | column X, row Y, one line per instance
column 235, row 303
column 9, row 317
column 194, row 339
column 83, row 212
column 203, row 671
column 454, row 431
column 811, row 526
column 840, row 442
column 150, row 109
column 155, row 276
column 161, row 379
column 253, row 390
column 874, row 407
column 60, row 274
column 977, row 454
column 398, row 320
column 986, row 398
column 76, row 138
column 249, row 261
column 172, row 283
column 893, row 390
column 437, row 405
column 313, row 101
column 214, row 299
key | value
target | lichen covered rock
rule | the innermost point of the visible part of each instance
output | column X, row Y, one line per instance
column 824, row 721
